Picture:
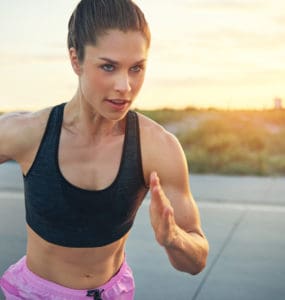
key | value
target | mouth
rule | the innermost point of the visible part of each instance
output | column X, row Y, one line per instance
column 118, row 104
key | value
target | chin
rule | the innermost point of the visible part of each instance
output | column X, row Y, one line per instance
column 115, row 115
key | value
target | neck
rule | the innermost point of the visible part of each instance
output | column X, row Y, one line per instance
column 80, row 118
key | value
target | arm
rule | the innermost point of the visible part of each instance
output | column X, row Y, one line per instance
column 173, row 211
column 18, row 134
column 8, row 129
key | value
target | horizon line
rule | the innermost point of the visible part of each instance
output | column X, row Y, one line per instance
column 186, row 108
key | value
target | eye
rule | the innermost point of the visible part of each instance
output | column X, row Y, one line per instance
column 108, row 67
column 137, row 68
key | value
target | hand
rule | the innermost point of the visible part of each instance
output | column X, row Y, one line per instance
column 161, row 214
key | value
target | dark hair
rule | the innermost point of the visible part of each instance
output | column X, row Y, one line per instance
column 92, row 18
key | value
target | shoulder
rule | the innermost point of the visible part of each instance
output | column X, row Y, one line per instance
column 20, row 130
column 153, row 131
column 155, row 136
column 23, row 122
column 23, row 118
column 161, row 150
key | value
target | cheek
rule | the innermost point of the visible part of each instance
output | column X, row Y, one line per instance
column 138, row 83
column 98, row 83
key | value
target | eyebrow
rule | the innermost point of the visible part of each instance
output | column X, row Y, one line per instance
column 113, row 62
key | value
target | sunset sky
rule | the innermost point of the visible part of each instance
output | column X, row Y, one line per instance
column 204, row 53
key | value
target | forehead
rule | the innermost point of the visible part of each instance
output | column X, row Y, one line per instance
column 119, row 46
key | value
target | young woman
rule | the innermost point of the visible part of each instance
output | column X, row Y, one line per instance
column 88, row 164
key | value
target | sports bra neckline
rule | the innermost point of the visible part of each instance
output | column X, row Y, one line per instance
column 73, row 185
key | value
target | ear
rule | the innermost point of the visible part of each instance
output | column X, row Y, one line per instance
column 76, row 66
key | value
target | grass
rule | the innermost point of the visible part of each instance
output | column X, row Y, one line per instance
column 230, row 142
column 167, row 115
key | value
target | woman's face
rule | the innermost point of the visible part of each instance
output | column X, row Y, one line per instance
column 112, row 72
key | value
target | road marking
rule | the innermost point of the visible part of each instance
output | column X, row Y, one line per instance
column 243, row 206
column 234, row 206
column 11, row 194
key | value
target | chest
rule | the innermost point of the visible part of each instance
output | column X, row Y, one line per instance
column 87, row 165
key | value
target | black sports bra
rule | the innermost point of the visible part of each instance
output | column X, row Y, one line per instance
column 70, row 216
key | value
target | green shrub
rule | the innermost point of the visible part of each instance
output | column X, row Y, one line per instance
column 234, row 142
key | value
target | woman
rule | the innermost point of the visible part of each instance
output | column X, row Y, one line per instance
column 88, row 164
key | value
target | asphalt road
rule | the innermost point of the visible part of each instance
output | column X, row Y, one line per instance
column 243, row 218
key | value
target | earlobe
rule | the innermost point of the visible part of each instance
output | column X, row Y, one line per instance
column 74, row 61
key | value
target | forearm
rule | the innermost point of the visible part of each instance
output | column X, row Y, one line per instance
column 188, row 251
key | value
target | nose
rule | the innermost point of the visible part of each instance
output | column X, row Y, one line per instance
column 122, row 84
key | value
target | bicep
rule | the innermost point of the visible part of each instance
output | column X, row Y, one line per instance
column 186, row 212
column 174, row 177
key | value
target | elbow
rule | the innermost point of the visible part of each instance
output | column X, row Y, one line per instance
column 201, row 263
column 198, row 268
column 195, row 263
column 191, row 268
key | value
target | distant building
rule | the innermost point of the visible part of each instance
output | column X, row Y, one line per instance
column 277, row 103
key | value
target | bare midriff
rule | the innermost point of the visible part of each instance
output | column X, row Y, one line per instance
column 75, row 268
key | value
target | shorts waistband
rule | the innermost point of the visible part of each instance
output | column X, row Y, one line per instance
column 49, row 285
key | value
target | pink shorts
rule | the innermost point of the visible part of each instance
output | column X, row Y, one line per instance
column 18, row 282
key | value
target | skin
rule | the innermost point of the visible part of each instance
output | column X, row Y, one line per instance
column 91, row 143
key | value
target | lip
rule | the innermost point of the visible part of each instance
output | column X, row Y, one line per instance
column 118, row 104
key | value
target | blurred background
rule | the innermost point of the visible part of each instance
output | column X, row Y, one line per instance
column 205, row 53
column 210, row 62
column 215, row 79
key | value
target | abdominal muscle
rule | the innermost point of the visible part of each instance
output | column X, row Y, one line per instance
column 75, row 268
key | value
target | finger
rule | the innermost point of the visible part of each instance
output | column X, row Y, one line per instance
column 167, row 215
column 169, row 211
column 154, row 185
column 154, row 179
column 156, row 201
column 166, row 227
column 156, row 189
